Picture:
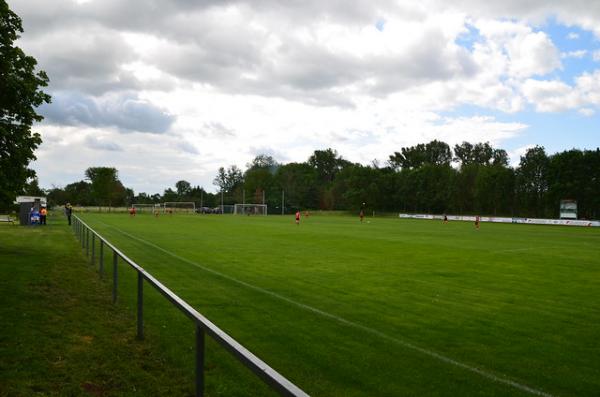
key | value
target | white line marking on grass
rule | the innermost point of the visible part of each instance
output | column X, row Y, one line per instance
column 496, row 378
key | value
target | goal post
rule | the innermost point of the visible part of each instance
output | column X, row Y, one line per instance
column 179, row 206
column 250, row 209
column 145, row 207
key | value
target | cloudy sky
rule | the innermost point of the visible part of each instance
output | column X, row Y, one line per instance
column 173, row 89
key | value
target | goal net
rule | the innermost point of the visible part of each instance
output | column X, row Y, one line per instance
column 145, row 207
column 179, row 206
column 250, row 209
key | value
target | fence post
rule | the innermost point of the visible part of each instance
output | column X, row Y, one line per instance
column 140, row 307
column 199, row 361
column 101, row 269
column 87, row 242
column 115, row 258
column 93, row 249
column 82, row 237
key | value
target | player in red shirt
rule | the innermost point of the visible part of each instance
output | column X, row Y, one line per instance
column 298, row 217
column 477, row 222
column 132, row 211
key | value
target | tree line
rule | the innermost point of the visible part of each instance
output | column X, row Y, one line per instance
column 429, row 178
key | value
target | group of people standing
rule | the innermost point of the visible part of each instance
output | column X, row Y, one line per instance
column 38, row 217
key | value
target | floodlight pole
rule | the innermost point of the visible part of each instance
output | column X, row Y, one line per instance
column 263, row 196
column 282, row 201
column 202, row 198
column 222, row 207
column 244, row 195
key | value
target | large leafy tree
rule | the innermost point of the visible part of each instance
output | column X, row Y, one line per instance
column 107, row 189
column 575, row 174
column 230, row 183
column 260, row 178
column 494, row 190
column 327, row 163
column 532, row 181
column 20, row 95
column 228, row 180
column 432, row 153
column 299, row 182
column 183, row 188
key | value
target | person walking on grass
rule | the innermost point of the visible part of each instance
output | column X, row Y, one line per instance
column 43, row 214
column 298, row 217
column 68, row 212
column 361, row 215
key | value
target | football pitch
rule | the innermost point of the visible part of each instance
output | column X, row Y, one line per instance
column 385, row 308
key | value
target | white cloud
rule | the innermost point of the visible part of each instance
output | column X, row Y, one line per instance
column 548, row 95
column 588, row 88
column 596, row 55
column 574, row 54
column 572, row 36
column 126, row 112
column 584, row 14
column 532, row 54
column 556, row 96
column 95, row 142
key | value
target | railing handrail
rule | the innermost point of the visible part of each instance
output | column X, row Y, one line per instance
column 270, row 376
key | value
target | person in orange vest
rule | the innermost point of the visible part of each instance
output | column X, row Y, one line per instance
column 43, row 214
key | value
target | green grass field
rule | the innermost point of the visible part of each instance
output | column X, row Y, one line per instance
column 386, row 308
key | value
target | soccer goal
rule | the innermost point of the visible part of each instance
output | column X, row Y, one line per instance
column 179, row 206
column 250, row 209
column 145, row 207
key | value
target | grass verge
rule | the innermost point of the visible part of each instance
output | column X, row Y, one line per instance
column 60, row 334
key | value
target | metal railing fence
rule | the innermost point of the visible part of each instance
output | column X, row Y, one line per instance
column 203, row 326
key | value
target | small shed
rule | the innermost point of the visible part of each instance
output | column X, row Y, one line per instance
column 26, row 203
